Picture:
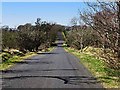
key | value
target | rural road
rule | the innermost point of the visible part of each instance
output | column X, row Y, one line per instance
column 56, row 69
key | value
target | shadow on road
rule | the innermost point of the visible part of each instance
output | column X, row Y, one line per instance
column 19, row 71
column 32, row 59
column 47, row 53
column 32, row 62
column 67, row 79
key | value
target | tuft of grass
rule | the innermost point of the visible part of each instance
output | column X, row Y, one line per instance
column 108, row 77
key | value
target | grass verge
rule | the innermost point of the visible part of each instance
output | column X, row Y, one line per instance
column 109, row 78
column 11, row 61
column 14, row 59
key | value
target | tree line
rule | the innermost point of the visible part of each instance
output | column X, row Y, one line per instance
column 99, row 26
column 30, row 37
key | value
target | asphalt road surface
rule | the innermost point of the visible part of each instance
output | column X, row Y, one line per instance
column 56, row 69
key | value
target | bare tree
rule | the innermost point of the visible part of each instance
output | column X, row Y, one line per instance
column 104, row 18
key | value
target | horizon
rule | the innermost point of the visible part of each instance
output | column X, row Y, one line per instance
column 20, row 13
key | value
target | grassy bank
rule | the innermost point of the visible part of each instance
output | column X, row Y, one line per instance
column 108, row 77
column 17, row 58
column 14, row 59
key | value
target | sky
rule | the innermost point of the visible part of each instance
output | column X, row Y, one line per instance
column 16, row 13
